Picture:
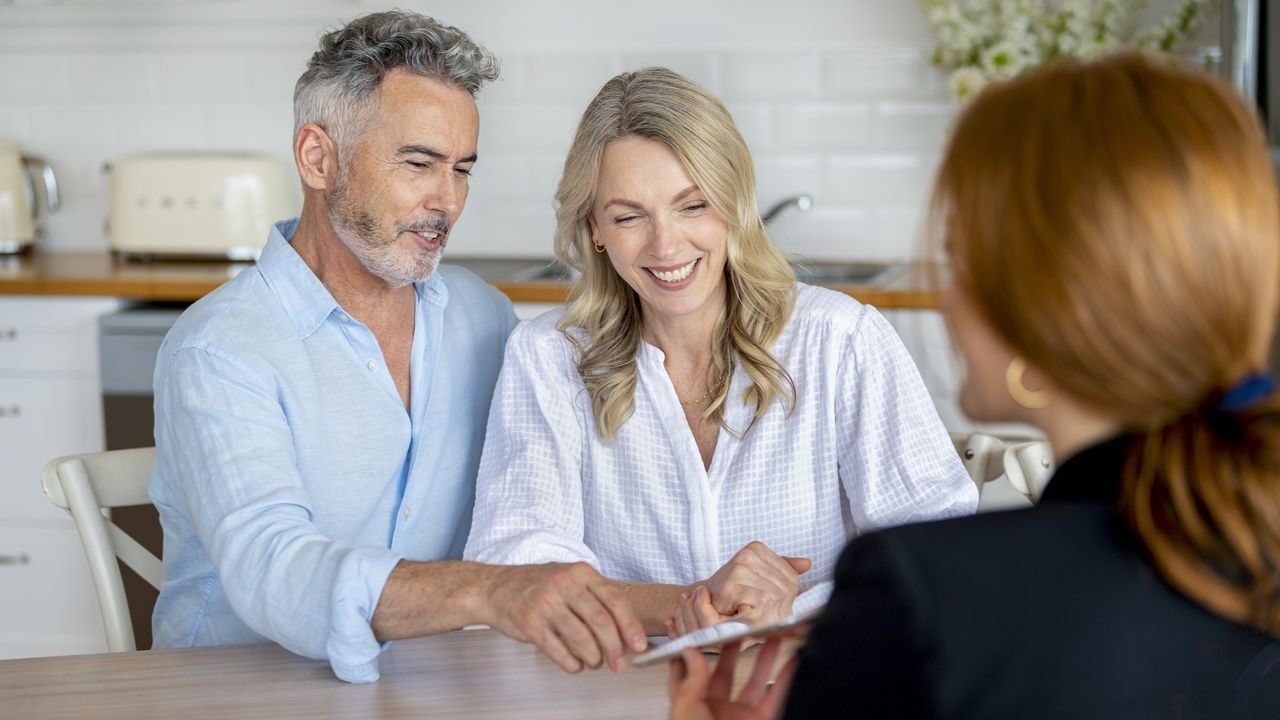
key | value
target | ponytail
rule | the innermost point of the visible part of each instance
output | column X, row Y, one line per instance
column 1203, row 495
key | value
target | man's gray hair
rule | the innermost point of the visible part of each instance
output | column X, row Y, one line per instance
column 337, row 90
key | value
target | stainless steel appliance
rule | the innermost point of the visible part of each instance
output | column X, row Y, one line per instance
column 23, row 201
column 196, row 204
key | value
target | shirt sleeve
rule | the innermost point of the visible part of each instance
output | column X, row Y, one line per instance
column 867, row 653
column 896, row 461
column 529, row 490
column 226, row 444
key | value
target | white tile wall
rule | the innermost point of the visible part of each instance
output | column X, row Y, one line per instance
column 835, row 97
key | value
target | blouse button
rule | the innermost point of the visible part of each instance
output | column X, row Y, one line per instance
column 373, row 365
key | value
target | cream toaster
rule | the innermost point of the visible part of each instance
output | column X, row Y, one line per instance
column 196, row 204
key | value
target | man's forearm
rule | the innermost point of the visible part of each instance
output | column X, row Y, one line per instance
column 424, row 598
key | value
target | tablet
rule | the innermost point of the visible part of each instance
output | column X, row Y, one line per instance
column 721, row 633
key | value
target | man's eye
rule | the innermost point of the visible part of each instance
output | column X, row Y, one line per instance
column 416, row 164
column 463, row 171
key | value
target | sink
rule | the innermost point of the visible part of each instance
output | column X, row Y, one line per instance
column 813, row 273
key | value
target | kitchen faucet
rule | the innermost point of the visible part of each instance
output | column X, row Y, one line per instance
column 803, row 202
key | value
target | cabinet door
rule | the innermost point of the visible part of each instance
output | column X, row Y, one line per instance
column 40, row 419
column 51, row 336
column 47, row 600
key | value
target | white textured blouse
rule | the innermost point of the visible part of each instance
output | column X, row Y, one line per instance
column 864, row 449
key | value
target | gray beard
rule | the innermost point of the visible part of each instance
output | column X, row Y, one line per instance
column 359, row 232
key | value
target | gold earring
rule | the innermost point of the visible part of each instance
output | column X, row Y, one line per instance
column 1029, row 399
column 599, row 248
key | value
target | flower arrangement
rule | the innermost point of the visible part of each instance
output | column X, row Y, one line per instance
column 981, row 41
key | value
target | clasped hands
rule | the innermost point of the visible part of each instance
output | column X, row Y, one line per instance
column 757, row 586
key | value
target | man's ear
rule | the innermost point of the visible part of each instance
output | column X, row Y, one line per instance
column 316, row 155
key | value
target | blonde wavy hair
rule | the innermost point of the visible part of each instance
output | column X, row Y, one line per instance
column 1116, row 223
column 603, row 318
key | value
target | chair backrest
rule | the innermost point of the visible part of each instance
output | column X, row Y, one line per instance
column 981, row 454
column 1028, row 465
column 85, row 484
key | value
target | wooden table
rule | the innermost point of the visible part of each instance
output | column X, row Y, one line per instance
column 472, row 673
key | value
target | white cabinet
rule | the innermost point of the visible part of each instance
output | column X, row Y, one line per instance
column 50, row 405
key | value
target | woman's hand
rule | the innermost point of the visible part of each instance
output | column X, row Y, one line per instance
column 697, row 694
column 757, row 585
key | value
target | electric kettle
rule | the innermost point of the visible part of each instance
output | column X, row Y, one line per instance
column 27, row 185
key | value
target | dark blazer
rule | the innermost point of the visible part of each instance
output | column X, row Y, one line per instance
column 1049, row 612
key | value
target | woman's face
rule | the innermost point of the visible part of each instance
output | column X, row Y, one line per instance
column 984, row 395
column 662, row 236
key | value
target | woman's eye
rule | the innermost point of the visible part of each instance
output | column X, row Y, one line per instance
column 625, row 219
column 695, row 207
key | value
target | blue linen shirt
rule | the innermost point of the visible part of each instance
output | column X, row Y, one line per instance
column 288, row 476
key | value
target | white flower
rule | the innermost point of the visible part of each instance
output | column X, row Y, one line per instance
column 966, row 82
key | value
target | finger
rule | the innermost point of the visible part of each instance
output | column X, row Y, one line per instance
column 721, row 684
column 703, row 610
column 685, row 621
column 758, row 684
column 670, row 623
column 693, row 683
column 575, row 635
column 777, row 693
column 603, row 641
column 676, row 672
column 553, row 647
column 773, row 566
column 799, row 565
column 626, row 624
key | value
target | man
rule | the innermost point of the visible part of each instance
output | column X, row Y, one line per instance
column 319, row 419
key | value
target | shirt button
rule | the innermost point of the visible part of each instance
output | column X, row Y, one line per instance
column 344, row 317
column 373, row 365
column 406, row 512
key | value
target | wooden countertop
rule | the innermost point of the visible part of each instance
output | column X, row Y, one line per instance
column 100, row 273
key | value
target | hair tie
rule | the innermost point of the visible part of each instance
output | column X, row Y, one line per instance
column 1247, row 392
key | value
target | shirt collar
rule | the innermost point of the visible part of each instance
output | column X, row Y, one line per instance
column 1092, row 475
column 307, row 302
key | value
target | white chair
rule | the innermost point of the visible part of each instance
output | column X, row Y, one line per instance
column 981, row 454
column 85, row 484
column 1028, row 466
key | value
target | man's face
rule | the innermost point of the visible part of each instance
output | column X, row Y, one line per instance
column 406, row 183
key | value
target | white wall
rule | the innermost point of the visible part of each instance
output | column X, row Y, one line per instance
column 835, row 97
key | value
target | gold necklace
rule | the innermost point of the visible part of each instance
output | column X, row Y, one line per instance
column 705, row 396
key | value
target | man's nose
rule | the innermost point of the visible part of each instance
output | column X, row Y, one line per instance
column 445, row 195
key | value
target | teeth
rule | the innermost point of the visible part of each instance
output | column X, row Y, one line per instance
column 675, row 275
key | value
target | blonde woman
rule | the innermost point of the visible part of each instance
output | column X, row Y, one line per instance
column 1113, row 232
column 694, row 422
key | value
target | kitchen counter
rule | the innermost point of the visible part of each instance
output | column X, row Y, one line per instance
column 100, row 273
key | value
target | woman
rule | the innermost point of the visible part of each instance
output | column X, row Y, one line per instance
column 694, row 416
column 1112, row 229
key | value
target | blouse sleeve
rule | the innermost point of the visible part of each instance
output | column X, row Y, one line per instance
column 897, row 463
column 529, row 488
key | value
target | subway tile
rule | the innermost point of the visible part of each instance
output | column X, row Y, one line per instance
column 272, row 75
column 824, row 233
column 700, row 67
column 57, row 124
column 917, row 126
column 14, row 122
column 265, row 127
column 506, row 230
column 527, row 127
column 113, row 77
column 771, row 76
column 33, row 76
column 502, row 177
column 899, row 232
column 823, row 127
column 544, row 177
column 159, row 127
column 886, row 180
column 512, row 82
column 873, row 74
column 755, row 122
column 203, row 76
column 782, row 176
column 571, row 78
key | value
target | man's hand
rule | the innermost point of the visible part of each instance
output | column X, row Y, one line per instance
column 757, row 585
column 572, row 613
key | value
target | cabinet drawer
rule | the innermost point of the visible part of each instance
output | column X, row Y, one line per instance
column 48, row 605
column 45, row 336
column 40, row 419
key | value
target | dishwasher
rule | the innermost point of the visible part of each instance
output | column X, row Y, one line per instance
column 128, row 342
